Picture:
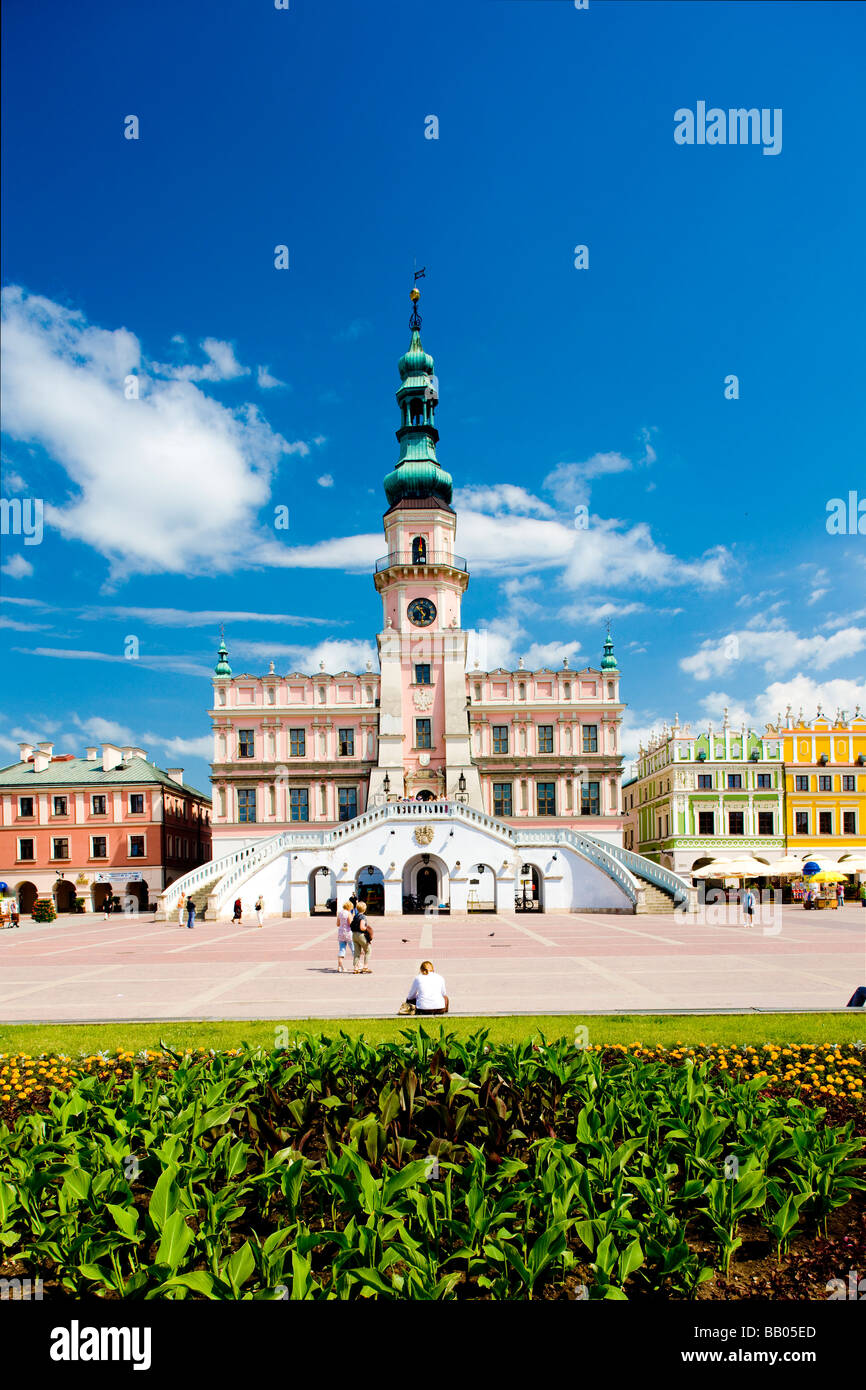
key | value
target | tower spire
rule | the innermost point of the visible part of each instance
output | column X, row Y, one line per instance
column 417, row 473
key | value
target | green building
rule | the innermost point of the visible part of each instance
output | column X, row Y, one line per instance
column 699, row 795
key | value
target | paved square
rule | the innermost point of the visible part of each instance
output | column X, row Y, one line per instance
column 85, row 969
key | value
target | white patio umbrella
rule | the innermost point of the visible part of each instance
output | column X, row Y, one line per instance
column 786, row 867
column 744, row 867
column 851, row 864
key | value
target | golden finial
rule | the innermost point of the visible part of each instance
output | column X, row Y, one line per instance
column 414, row 295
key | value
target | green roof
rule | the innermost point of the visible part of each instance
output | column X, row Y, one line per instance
column 84, row 772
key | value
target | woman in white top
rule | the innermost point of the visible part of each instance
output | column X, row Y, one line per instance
column 260, row 907
column 344, row 935
column 428, row 991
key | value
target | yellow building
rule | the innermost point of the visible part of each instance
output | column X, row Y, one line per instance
column 825, row 785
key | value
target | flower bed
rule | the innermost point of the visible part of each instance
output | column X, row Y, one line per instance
column 432, row 1168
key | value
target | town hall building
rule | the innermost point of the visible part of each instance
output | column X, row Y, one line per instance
column 425, row 784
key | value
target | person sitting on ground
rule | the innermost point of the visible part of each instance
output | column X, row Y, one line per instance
column 362, row 940
column 427, row 991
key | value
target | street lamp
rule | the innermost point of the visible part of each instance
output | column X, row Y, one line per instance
column 461, row 783
column 386, row 785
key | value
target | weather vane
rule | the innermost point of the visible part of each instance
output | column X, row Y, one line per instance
column 415, row 295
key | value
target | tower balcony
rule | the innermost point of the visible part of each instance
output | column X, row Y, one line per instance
column 430, row 558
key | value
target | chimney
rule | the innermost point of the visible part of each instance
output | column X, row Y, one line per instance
column 42, row 756
column 175, row 773
column 26, row 751
column 111, row 757
column 128, row 752
column 91, row 754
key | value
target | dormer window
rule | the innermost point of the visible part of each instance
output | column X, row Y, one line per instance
column 419, row 550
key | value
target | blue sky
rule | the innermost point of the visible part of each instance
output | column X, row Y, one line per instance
column 707, row 544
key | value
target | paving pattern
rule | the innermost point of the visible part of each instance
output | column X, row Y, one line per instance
column 88, row 969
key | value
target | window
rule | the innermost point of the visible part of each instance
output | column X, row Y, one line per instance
column 60, row 804
column 25, row 849
column 136, row 804
column 705, row 781
column 299, row 803
column 423, row 733
column 765, row 823
column 346, row 741
column 136, row 846
column 477, row 691
column 801, row 822
column 545, row 793
column 849, row 824
column 521, row 691
column 246, row 743
column 566, row 691
column 825, row 784
column 736, row 823
column 590, row 738
column 247, row 805
column 502, row 798
column 59, row 849
column 545, row 738
column 735, row 781
column 764, row 780
column 98, row 847
column 706, row 822
column 500, row 738
column 849, row 784
column 801, row 784
column 97, row 805
column 825, row 822
column 422, row 675
column 348, row 802
column 25, row 805
column 297, row 743
column 419, row 548
column 589, row 803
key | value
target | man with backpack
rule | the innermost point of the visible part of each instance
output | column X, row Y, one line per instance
column 362, row 940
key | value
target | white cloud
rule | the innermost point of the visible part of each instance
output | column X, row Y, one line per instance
column 105, row 731
column 12, row 481
column 17, row 567
column 799, row 692
column 179, row 665
column 337, row 654
column 265, row 381
column 186, row 747
column 23, row 627
column 208, row 617
column 776, row 648
column 194, row 474
column 326, row 480
column 221, row 365
column 500, row 499
column 569, row 481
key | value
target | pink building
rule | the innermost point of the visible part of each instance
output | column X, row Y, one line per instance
column 540, row 748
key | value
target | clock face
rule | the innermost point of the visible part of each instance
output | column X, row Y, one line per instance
column 422, row 612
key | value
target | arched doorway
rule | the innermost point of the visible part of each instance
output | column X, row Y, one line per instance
column 136, row 895
column 27, row 895
column 425, row 796
column 481, row 896
column 64, row 895
column 425, row 884
column 370, row 888
column 323, row 890
column 529, row 891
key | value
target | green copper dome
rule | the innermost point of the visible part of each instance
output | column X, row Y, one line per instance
column 222, row 667
column 609, row 661
column 415, row 361
column 417, row 474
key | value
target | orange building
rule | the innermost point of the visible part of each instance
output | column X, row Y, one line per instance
column 108, row 823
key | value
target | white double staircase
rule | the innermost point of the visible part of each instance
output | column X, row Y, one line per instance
column 648, row 886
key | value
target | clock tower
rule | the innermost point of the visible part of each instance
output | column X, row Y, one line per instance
column 423, row 716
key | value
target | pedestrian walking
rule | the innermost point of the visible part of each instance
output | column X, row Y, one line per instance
column 840, row 895
column 190, row 913
column 14, row 915
column 237, row 915
column 260, row 907
column 749, row 906
column 362, row 940
column 181, row 909
column 428, row 991
column 344, row 934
